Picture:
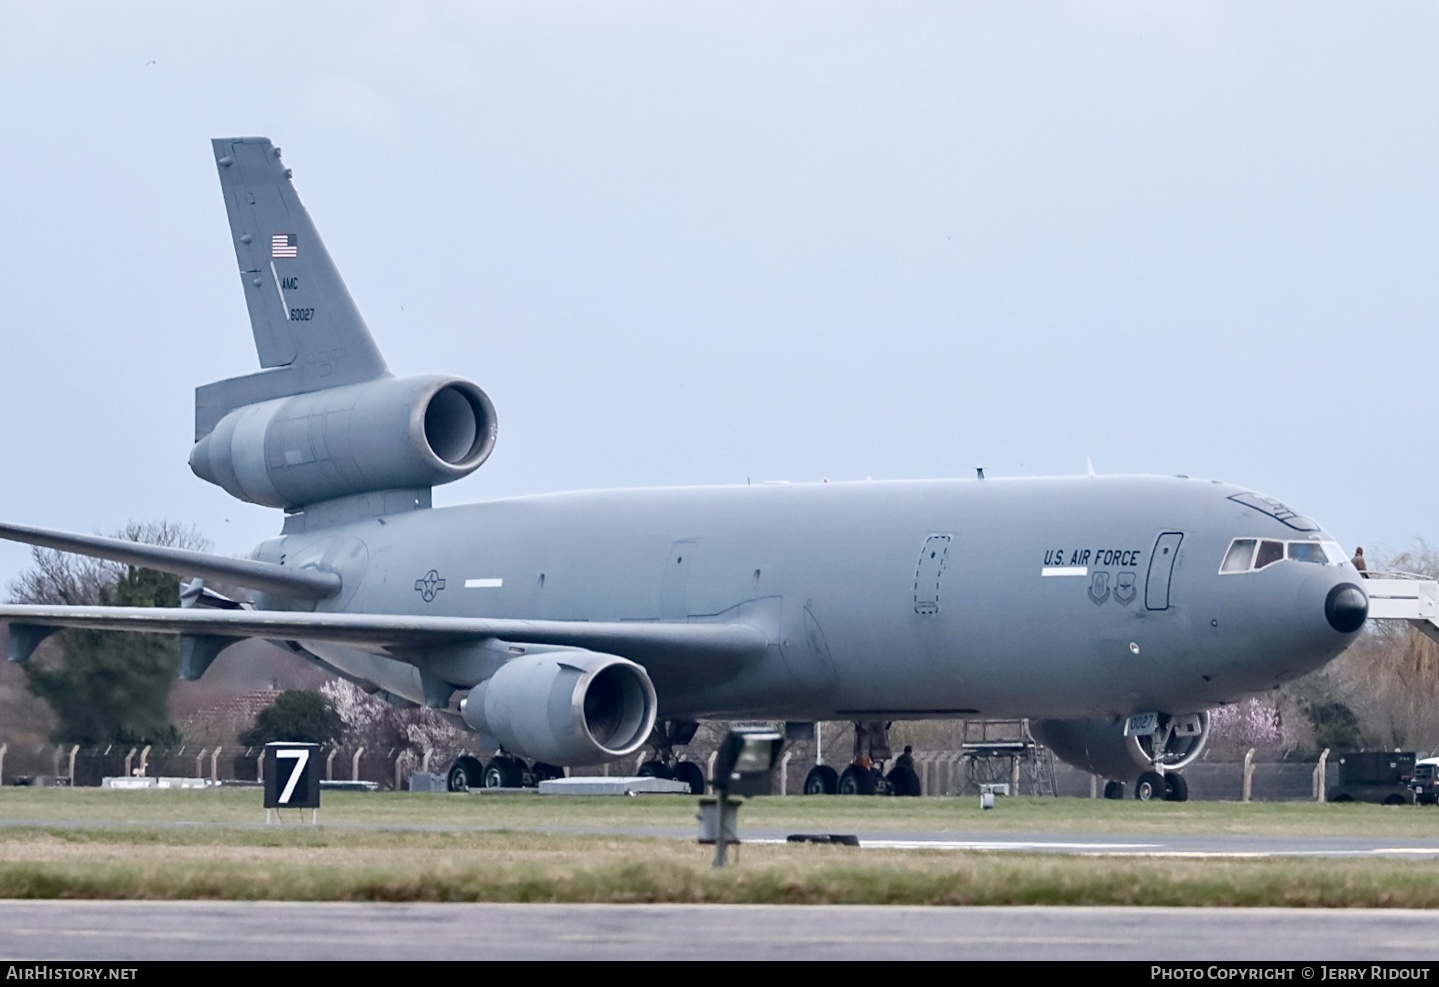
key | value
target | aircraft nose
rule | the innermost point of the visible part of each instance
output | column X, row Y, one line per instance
column 1347, row 608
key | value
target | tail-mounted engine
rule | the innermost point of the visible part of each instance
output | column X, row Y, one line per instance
column 387, row 434
column 565, row 707
column 1100, row 746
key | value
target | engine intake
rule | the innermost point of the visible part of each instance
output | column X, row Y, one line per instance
column 1100, row 747
column 565, row 707
column 394, row 433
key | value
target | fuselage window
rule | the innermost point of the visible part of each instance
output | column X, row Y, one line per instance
column 1269, row 552
column 1240, row 554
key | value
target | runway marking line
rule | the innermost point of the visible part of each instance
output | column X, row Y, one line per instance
column 1122, row 849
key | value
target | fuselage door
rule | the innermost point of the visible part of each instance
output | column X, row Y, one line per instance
column 928, row 573
column 1161, row 568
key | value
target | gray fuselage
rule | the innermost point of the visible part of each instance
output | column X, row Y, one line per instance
column 1063, row 597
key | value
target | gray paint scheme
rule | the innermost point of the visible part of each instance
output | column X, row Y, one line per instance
column 866, row 600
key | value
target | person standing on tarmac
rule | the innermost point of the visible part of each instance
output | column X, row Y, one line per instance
column 903, row 778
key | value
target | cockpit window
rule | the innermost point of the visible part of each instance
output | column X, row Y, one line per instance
column 1269, row 553
column 1334, row 552
column 1250, row 554
column 1240, row 555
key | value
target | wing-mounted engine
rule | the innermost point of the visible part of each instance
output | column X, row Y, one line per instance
column 1100, row 747
column 394, row 433
column 567, row 706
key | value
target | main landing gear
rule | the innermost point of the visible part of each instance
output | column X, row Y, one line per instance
column 865, row 774
column 667, row 735
column 502, row 771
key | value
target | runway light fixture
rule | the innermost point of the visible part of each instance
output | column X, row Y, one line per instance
column 743, row 766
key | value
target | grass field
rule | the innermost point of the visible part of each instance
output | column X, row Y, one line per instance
column 398, row 847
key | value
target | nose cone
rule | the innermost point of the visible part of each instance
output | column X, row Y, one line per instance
column 1347, row 608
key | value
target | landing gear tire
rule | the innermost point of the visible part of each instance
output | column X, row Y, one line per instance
column 857, row 781
column 1176, row 789
column 1396, row 800
column 464, row 774
column 504, row 772
column 692, row 775
column 655, row 769
column 1114, row 789
column 821, row 780
column 1149, row 787
column 546, row 772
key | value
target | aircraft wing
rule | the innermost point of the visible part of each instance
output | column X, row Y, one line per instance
column 297, row 583
column 395, row 635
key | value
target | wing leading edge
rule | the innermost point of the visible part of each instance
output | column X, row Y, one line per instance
column 296, row 583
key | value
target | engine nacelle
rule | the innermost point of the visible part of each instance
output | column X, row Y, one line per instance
column 565, row 707
column 1100, row 746
column 388, row 434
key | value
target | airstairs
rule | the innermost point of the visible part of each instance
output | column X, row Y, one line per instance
column 1405, row 596
column 1003, row 753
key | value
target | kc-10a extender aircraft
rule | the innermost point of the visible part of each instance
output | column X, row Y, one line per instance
column 575, row 627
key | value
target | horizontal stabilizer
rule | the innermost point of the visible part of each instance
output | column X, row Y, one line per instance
column 298, row 584
column 396, row 635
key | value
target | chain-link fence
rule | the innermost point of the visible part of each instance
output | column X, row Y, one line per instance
column 942, row 772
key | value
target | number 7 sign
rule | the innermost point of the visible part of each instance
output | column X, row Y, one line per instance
column 291, row 778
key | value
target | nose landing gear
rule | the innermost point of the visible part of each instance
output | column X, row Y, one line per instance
column 1151, row 786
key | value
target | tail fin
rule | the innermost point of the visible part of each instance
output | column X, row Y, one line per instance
column 308, row 333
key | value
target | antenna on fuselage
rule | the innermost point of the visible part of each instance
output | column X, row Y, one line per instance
column 1089, row 465
column 979, row 472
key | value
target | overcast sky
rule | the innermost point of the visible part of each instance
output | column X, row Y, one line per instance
column 688, row 243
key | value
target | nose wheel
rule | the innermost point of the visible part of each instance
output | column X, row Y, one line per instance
column 1154, row 787
column 1149, row 787
column 1176, row 789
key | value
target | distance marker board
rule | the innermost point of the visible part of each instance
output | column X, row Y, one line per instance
column 292, row 776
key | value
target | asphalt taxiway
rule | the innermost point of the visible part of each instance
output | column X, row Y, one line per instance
column 187, row 930
column 99, row 930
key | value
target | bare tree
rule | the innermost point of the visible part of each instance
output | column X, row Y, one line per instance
column 77, row 580
column 105, row 687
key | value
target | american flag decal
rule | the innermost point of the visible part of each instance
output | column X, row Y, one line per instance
column 284, row 245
